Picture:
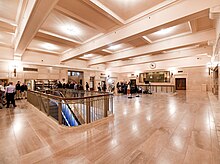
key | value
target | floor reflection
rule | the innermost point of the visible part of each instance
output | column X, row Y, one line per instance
column 157, row 128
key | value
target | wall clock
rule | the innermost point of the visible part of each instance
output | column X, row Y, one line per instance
column 152, row 65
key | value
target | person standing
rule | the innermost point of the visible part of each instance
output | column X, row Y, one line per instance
column 64, row 85
column 99, row 87
column 18, row 90
column 10, row 90
column 87, row 86
column 76, row 86
column 24, row 91
column 67, row 85
column 59, row 85
column 104, row 87
column 129, row 89
column 71, row 85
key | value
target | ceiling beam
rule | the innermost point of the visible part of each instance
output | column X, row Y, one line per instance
column 193, row 61
column 53, row 40
column 147, row 39
column 187, row 40
column 214, row 12
column 193, row 26
column 5, row 45
column 59, row 36
column 152, row 10
column 19, row 10
column 42, row 51
column 149, row 24
column 5, row 27
column 162, row 57
column 35, row 14
column 8, row 21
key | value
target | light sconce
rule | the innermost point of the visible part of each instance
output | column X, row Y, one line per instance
column 13, row 66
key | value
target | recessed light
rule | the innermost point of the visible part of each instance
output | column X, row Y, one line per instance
column 71, row 30
column 165, row 31
column 49, row 46
column 88, row 55
column 114, row 47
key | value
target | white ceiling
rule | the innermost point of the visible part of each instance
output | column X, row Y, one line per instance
column 72, row 23
column 8, row 9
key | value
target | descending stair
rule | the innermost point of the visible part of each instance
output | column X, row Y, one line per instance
column 69, row 118
column 53, row 109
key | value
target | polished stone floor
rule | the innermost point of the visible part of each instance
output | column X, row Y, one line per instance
column 157, row 128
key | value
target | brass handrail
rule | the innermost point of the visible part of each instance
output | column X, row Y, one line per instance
column 91, row 107
column 73, row 98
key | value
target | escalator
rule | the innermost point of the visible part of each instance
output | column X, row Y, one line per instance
column 69, row 118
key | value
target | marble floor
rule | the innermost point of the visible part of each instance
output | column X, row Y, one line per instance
column 157, row 128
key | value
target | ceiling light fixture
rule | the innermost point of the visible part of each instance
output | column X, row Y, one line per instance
column 88, row 55
column 72, row 30
column 49, row 46
column 114, row 47
column 165, row 31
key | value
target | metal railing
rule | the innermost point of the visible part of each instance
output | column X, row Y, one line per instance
column 72, row 107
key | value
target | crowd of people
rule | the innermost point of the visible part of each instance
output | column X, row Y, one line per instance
column 77, row 86
column 69, row 85
column 124, row 87
column 9, row 93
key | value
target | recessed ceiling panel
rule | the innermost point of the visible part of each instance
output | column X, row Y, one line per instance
column 129, row 8
column 8, row 9
column 138, row 42
column 169, row 32
column 46, row 46
column 88, row 13
column 90, row 56
column 103, row 53
column 6, row 38
column 118, row 47
column 67, row 27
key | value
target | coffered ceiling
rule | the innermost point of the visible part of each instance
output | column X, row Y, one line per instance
column 98, row 30
column 8, row 10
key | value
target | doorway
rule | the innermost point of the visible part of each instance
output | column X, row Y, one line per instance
column 75, row 76
column 180, row 83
